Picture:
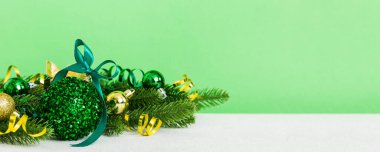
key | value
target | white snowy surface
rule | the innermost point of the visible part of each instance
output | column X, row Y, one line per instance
column 242, row 133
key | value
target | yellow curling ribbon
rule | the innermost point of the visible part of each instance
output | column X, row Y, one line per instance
column 194, row 96
column 146, row 129
column 13, row 126
column 8, row 75
column 52, row 70
column 38, row 76
column 126, row 118
column 187, row 84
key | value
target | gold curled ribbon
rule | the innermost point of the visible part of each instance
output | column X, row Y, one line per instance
column 194, row 96
column 52, row 70
column 126, row 118
column 187, row 84
column 13, row 126
column 146, row 129
column 8, row 74
column 39, row 76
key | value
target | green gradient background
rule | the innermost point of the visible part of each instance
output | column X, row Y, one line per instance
column 274, row 56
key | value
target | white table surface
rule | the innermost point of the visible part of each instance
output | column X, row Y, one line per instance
column 243, row 133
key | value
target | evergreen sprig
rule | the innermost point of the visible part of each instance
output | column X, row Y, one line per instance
column 170, row 113
column 27, row 103
column 144, row 97
column 181, row 123
column 173, row 94
column 116, row 125
column 38, row 90
column 210, row 98
column 1, row 83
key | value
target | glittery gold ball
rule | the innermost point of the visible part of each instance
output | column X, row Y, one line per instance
column 120, row 100
column 7, row 106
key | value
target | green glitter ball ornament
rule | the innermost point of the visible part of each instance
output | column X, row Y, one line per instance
column 16, row 86
column 71, row 106
column 153, row 79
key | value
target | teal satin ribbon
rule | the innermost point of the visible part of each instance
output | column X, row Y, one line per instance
column 132, row 81
column 131, row 78
column 108, row 72
column 83, row 65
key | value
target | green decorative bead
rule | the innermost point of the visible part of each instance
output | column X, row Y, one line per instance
column 16, row 86
column 153, row 79
column 72, row 107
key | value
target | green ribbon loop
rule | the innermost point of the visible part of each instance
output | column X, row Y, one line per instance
column 83, row 65
column 108, row 72
column 131, row 78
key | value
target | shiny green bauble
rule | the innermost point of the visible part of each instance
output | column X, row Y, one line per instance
column 72, row 108
column 16, row 86
column 153, row 79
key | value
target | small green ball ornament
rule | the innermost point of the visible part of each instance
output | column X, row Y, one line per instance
column 153, row 79
column 71, row 106
column 16, row 86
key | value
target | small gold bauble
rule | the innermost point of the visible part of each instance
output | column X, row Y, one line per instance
column 7, row 106
column 121, row 99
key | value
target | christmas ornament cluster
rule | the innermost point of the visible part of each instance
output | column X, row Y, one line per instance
column 79, row 101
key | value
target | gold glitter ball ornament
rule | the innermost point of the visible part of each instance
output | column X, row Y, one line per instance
column 121, row 100
column 7, row 106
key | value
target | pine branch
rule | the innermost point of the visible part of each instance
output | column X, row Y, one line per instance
column 182, row 123
column 173, row 94
column 38, row 90
column 210, row 98
column 115, row 125
column 144, row 97
column 21, row 138
column 170, row 113
column 27, row 103
column 1, row 83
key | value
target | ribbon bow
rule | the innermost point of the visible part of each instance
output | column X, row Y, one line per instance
column 83, row 65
